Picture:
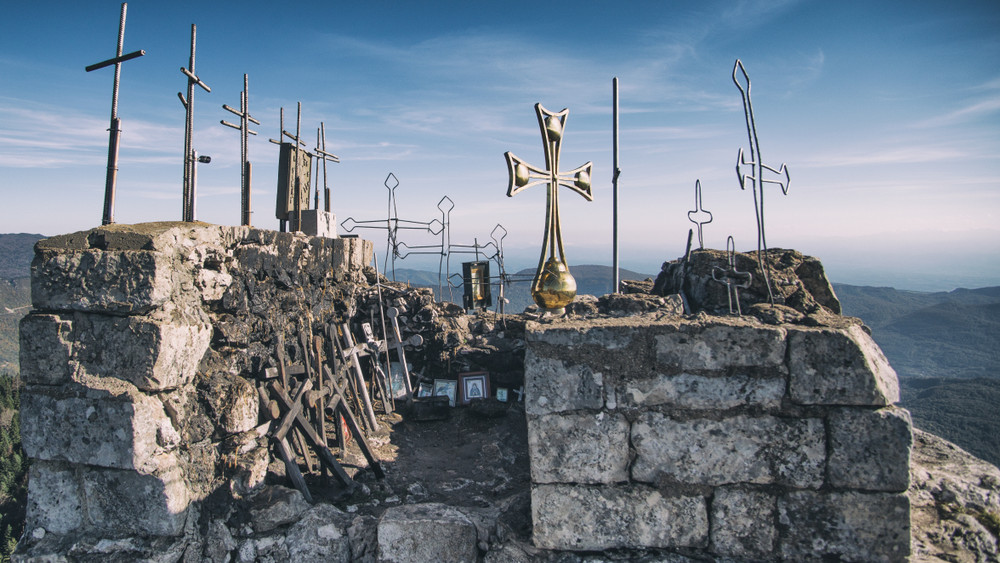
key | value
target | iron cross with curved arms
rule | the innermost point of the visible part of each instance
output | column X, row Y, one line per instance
column 553, row 287
column 756, row 173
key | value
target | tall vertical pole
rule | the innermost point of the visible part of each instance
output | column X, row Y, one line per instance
column 115, row 130
column 188, row 212
column 614, row 186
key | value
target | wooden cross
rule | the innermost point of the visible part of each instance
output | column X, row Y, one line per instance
column 244, row 128
column 112, row 178
column 551, row 286
column 190, row 158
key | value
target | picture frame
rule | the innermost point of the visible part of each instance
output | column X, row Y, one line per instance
column 447, row 388
column 425, row 390
column 502, row 394
column 473, row 385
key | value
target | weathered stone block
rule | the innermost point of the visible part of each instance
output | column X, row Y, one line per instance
column 870, row 450
column 276, row 506
column 582, row 518
column 578, row 448
column 128, row 503
column 583, row 335
column 115, row 427
column 721, row 346
column 743, row 523
column 55, row 500
column 831, row 366
column 153, row 352
column 47, row 346
column 552, row 385
column 122, row 282
column 350, row 255
column 687, row 391
column 232, row 401
column 417, row 533
column 63, row 498
column 740, row 449
column 847, row 526
column 320, row 535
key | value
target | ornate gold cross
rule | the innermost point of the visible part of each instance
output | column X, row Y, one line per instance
column 553, row 287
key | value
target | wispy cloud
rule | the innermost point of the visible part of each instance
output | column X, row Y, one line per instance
column 972, row 111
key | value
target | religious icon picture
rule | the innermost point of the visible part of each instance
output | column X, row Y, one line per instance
column 473, row 385
column 502, row 394
column 447, row 388
column 425, row 390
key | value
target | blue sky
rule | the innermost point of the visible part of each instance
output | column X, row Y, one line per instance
column 887, row 115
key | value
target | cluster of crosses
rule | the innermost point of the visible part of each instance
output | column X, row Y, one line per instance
column 553, row 287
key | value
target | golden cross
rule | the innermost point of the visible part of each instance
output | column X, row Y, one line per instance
column 553, row 287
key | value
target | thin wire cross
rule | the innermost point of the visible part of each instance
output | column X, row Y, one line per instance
column 731, row 277
column 699, row 212
column 756, row 173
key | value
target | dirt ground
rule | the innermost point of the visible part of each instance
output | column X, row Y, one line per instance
column 477, row 458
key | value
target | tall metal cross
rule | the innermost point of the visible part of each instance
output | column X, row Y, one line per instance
column 244, row 128
column 190, row 158
column 324, row 156
column 553, row 287
column 698, row 213
column 756, row 173
column 115, row 129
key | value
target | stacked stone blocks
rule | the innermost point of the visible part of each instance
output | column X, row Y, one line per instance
column 716, row 435
column 137, row 363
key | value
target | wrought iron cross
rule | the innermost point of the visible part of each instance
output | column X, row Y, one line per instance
column 190, row 158
column 698, row 213
column 244, row 128
column 553, row 287
column 115, row 129
column 732, row 277
column 756, row 173
column 321, row 154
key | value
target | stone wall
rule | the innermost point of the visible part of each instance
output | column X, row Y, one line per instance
column 716, row 436
column 138, row 360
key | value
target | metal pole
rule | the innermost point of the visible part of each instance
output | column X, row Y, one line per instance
column 111, row 179
column 188, row 215
column 614, row 187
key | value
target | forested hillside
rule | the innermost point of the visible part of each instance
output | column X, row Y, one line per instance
column 945, row 347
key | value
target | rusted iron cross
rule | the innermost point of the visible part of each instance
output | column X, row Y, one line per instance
column 190, row 158
column 244, row 128
column 756, row 172
column 553, row 287
column 115, row 128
